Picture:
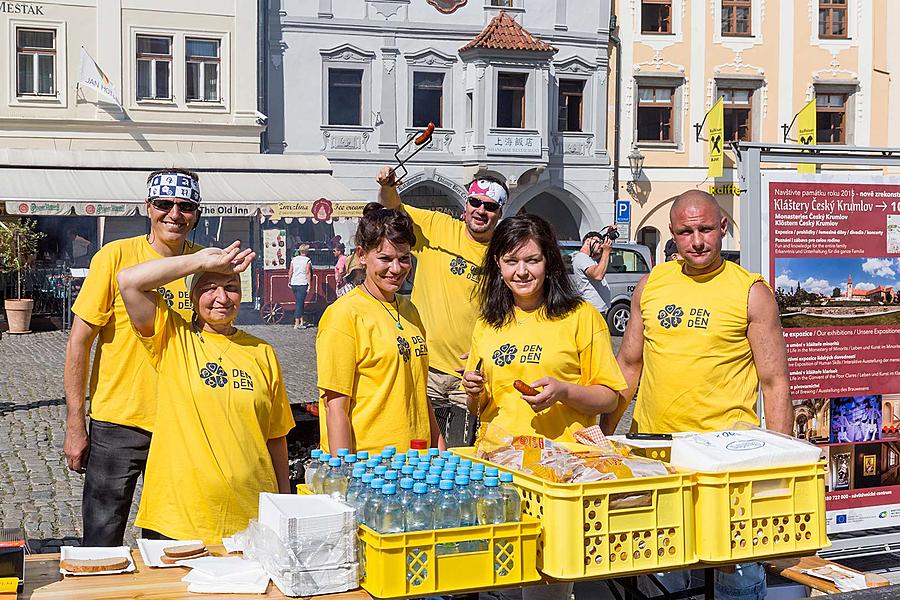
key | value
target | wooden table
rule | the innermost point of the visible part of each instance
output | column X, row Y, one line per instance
column 43, row 581
column 792, row 568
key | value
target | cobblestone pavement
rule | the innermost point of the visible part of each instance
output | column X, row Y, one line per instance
column 36, row 488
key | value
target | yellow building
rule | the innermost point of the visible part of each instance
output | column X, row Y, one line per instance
column 768, row 58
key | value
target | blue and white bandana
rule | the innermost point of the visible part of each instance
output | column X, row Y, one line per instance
column 174, row 185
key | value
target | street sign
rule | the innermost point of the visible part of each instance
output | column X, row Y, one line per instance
column 623, row 211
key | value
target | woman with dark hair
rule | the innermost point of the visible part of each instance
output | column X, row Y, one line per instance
column 535, row 328
column 371, row 354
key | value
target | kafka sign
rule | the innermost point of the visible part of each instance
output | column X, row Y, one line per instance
column 21, row 8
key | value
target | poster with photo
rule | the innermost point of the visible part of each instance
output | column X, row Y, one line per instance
column 274, row 249
column 833, row 252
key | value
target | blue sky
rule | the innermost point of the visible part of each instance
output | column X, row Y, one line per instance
column 822, row 275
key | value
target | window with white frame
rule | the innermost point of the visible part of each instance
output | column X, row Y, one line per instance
column 35, row 62
column 511, row 100
column 154, row 67
column 345, row 96
column 656, row 113
column 428, row 98
column 571, row 105
column 201, row 70
column 504, row 3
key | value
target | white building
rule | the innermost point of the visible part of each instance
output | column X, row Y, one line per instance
column 514, row 87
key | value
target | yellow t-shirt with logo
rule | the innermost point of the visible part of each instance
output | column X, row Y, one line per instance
column 698, row 370
column 574, row 349
column 122, row 386
column 448, row 267
column 361, row 353
column 221, row 399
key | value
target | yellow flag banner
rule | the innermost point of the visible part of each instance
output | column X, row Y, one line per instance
column 715, row 132
column 806, row 130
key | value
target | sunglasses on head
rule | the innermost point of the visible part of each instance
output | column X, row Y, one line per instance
column 185, row 206
column 487, row 204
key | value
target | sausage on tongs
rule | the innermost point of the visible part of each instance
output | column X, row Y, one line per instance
column 420, row 140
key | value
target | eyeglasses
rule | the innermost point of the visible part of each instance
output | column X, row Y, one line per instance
column 487, row 204
column 166, row 205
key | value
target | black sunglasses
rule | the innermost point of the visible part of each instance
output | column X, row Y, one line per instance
column 487, row 204
column 166, row 205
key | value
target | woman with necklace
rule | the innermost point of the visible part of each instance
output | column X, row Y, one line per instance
column 371, row 354
column 223, row 412
column 535, row 328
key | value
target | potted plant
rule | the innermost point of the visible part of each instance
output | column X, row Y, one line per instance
column 18, row 246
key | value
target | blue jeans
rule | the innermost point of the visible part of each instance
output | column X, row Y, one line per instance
column 300, row 298
column 746, row 582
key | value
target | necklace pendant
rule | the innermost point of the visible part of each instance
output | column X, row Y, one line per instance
column 399, row 326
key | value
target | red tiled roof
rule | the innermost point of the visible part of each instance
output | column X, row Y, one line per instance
column 504, row 33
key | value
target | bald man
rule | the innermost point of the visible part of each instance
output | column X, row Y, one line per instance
column 704, row 335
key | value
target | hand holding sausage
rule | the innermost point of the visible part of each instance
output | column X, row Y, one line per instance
column 552, row 391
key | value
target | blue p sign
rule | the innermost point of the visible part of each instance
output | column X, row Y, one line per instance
column 623, row 211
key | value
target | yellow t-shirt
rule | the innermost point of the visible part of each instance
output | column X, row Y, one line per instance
column 448, row 267
column 361, row 353
column 122, row 386
column 574, row 349
column 222, row 398
column 698, row 370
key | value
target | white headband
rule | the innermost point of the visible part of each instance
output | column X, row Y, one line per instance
column 491, row 189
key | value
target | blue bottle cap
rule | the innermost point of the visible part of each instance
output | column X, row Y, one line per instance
column 420, row 488
column 506, row 477
column 396, row 465
column 391, row 449
column 491, row 482
column 433, row 480
column 465, row 462
column 362, row 455
column 462, row 480
column 448, row 475
column 380, row 470
column 411, row 452
column 412, row 460
column 391, row 475
column 453, row 459
column 350, row 459
column 377, row 483
column 478, row 466
column 358, row 472
column 439, row 462
column 433, row 452
column 324, row 457
column 371, row 463
column 419, row 475
column 476, row 475
column 434, row 470
column 463, row 471
column 316, row 453
column 407, row 470
column 446, row 485
column 491, row 472
column 446, row 454
column 368, row 477
column 342, row 452
column 389, row 489
column 406, row 483
column 334, row 462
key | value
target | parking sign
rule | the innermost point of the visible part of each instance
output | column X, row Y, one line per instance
column 623, row 211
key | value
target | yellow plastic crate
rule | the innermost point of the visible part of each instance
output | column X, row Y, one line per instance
column 583, row 536
column 409, row 564
column 748, row 515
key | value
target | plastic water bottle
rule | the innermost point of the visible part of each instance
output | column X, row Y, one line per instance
column 490, row 506
column 492, row 472
column 420, row 513
column 390, row 517
column 347, row 471
column 371, row 464
column 467, row 516
column 309, row 468
column 512, row 503
column 434, row 490
column 418, row 476
column 362, row 496
column 446, row 515
column 405, row 493
column 315, row 482
column 362, row 456
column 334, row 484
column 385, row 457
column 391, row 476
column 358, row 483
column 372, row 503
column 476, row 483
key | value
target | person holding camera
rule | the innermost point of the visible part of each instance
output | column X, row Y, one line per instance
column 590, row 264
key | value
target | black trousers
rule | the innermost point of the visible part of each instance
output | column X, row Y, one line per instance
column 117, row 458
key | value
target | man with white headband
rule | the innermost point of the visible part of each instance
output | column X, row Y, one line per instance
column 448, row 256
column 122, row 381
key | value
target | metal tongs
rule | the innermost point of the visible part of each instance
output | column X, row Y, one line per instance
column 420, row 139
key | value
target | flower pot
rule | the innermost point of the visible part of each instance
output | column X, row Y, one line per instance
column 18, row 315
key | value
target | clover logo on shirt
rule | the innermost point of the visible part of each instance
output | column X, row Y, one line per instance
column 167, row 296
column 214, row 375
column 403, row 348
column 504, row 355
column 670, row 316
column 458, row 265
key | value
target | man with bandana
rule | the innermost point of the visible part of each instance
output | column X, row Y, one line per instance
column 122, row 385
column 448, row 256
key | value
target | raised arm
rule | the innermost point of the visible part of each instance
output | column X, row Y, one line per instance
column 137, row 284
column 630, row 359
column 770, row 357
column 387, row 192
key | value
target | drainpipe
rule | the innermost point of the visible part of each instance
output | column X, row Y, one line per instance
column 617, row 43
column 262, row 76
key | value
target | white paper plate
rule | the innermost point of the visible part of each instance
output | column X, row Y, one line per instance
column 81, row 553
column 152, row 550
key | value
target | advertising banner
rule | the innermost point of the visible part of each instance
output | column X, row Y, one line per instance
column 275, row 251
column 833, row 255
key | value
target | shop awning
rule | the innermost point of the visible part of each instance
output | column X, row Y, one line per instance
column 101, row 183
